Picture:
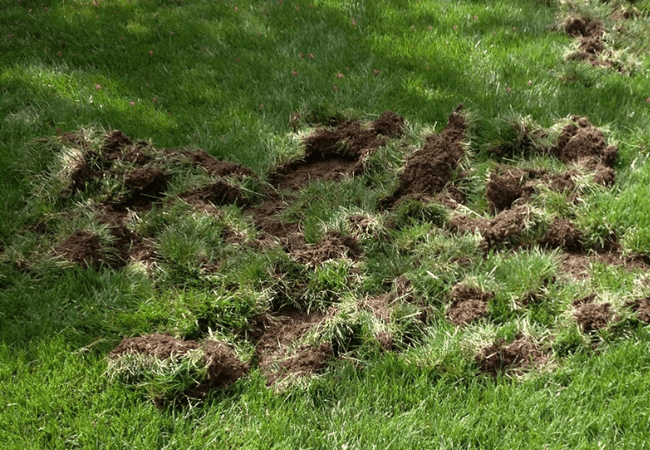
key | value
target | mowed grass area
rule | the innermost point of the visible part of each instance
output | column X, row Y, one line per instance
column 226, row 77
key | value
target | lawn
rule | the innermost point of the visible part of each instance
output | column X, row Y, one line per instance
column 326, row 224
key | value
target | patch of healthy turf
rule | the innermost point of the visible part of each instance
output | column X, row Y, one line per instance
column 468, row 304
column 516, row 356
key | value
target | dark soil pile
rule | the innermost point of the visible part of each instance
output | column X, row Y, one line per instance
column 563, row 234
column 590, row 32
column 265, row 220
column 336, row 154
column 583, row 144
column 115, row 142
column 224, row 368
column 126, row 244
column 333, row 246
column 467, row 304
column 520, row 184
column 507, row 225
column 429, row 169
column 642, row 308
column 276, row 336
column 501, row 356
column 592, row 316
column 213, row 166
column 218, row 193
column 82, row 248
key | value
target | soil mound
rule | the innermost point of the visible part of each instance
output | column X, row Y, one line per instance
column 82, row 248
column 276, row 335
column 563, row 234
column 468, row 304
column 590, row 32
column 592, row 316
column 333, row 246
column 224, row 368
column 81, row 175
column 379, row 306
column 218, row 193
column 214, row 166
column 642, row 308
column 114, row 144
column 429, row 169
column 500, row 356
column 336, row 154
column 389, row 124
column 504, row 189
column 508, row 224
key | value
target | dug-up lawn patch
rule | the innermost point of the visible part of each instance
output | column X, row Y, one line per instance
column 515, row 357
column 592, row 316
column 468, row 304
column 217, row 365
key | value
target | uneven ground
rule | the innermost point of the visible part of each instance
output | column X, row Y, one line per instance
column 443, row 244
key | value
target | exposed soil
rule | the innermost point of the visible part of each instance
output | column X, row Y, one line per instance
column 467, row 304
column 501, row 356
column 82, row 248
column 563, row 234
column 115, row 142
column 579, row 265
column 642, row 308
column 429, row 169
column 385, row 340
column 224, row 368
column 590, row 33
column 276, row 337
column 218, row 193
column 593, row 316
column 333, row 246
column 583, row 144
column 520, row 184
column 507, row 225
column 336, row 154
column 213, row 166
column 379, row 306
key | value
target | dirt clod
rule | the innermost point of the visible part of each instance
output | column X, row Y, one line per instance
column 217, row 167
column 333, row 246
column 593, row 316
column 468, row 304
column 218, row 193
column 82, row 248
column 501, row 356
column 642, row 308
column 563, row 234
column 389, row 124
column 429, row 169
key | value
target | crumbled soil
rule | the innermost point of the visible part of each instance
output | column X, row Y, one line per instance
column 467, row 304
column 332, row 246
column 582, row 143
column 265, row 219
column 593, row 316
column 578, row 265
column 385, row 340
column 218, row 193
column 590, row 33
column 513, row 184
column 213, row 166
column 642, row 308
column 429, row 169
column 114, row 144
column 224, row 368
column 501, row 356
column 336, row 154
column 563, row 234
column 379, row 306
column 81, row 175
column 82, row 248
column 276, row 336
column 508, row 224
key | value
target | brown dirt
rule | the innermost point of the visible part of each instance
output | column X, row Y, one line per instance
column 513, row 184
column 429, row 169
column 642, row 308
column 82, row 248
column 218, row 193
column 501, row 356
column 590, row 33
column 468, row 304
column 563, row 234
column 333, row 246
column 578, row 265
column 508, row 224
column 224, row 368
column 276, row 335
column 213, row 166
column 385, row 340
column 336, row 154
column 379, row 306
column 114, row 144
column 592, row 316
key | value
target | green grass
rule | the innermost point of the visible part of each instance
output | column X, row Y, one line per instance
column 227, row 77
